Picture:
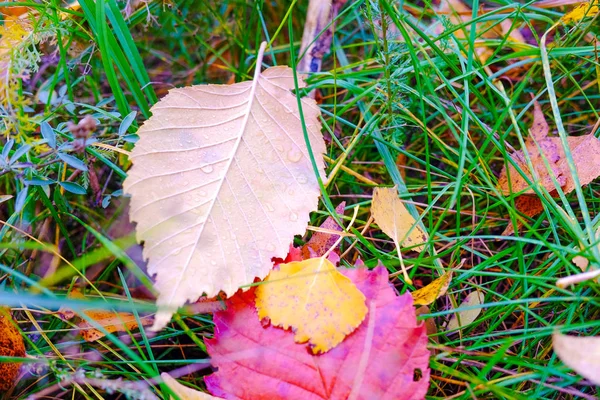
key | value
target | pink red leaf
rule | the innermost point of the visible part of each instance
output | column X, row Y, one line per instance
column 385, row 358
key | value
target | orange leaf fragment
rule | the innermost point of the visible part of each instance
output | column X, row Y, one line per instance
column 11, row 345
column 111, row 321
column 315, row 299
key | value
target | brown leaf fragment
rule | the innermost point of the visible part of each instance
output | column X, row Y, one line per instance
column 320, row 242
column 11, row 345
column 530, row 206
column 111, row 321
column 550, row 163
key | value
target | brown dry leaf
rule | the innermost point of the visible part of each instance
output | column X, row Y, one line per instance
column 395, row 221
column 582, row 354
column 430, row 293
column 583, row 10
column 467, row 317
column 315, row 299
column 184, row 392
column 321, row 242
column 11, row 345
column 585, row 151
column 221, row 182
column 109, row 320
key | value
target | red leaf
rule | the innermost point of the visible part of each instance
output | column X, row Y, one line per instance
column 378, row 361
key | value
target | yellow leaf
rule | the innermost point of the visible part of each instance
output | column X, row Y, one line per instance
column 313, row 298
column 582, row 354
column 184, row 392
column 395, row 221
column 467, row 317
column 587, row 9
column 221, row 182
column 436, row 289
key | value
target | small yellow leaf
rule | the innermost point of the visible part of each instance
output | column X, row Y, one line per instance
column 184, row 392
column 436, row 289
column 467, row 317
column 587, row 9
column 394, row 219
column 313, row 298
column 582, row 354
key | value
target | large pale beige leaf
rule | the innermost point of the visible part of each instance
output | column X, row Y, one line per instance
column 221, row 182
column 184, row 392
column 582, row 354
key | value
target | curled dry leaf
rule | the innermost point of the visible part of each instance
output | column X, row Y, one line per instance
column 221, row 182
column 320, row 242
column 430, row 293
column 382, row 359
column 464, row 318
column 184, row 392
column 319, row 303
column 11, row 345
column 582, row 354
column 585, row 151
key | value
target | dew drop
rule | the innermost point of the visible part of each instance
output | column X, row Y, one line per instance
column 302, row 179
column 269, row 207
column 270, row 247
column 213, row 263
column 207, row 169
column 294, row 155
column 279, row 148
column 293, row 217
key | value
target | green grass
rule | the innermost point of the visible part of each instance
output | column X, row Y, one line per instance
column 404, row 103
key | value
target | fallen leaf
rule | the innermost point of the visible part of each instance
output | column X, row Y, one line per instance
column 321, row 242
column 184, row 392
column 581, row 354
column 5, row 197
column 464, row 318
column 395, row 221
column 221, row 182
column 319, row 303
column 11, row 345
column 430, row 293
column 377, row 361
column 111, row 321
column 459, row 13
column 430, row 325
column 583, row 10
column 582, row 262
column 585, row 151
